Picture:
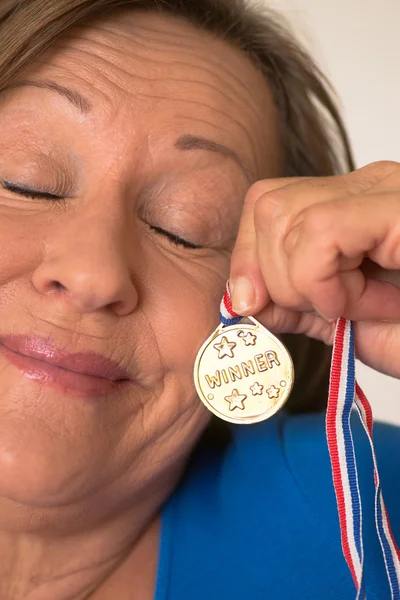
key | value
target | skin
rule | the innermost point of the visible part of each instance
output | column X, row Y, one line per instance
column 83, row 480
column 310, row 251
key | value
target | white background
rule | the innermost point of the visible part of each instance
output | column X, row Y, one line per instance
column 357, row 43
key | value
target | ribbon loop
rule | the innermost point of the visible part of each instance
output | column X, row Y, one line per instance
column 227, row 314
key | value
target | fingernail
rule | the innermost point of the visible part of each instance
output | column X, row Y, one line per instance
column 243, row 296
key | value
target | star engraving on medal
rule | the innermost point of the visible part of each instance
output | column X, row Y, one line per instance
column 257, row 389
column 273, row 392
column 225, row 348
column 236, row 400
column 248, row 338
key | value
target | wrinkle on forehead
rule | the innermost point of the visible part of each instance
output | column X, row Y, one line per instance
column 162, row 40
column 151, row 61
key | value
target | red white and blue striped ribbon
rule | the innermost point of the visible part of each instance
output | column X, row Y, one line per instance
column 345, row 395
column 228, row 316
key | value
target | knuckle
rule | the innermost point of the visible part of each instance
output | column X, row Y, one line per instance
column 269, row 206
column 377, row 171
column 263, row 188
column 385, row 166
column 371, row 176
column 319, row 221
column 255, row 192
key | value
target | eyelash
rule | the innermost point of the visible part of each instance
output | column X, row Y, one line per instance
column 37, row 195
column 28, row 193
column 175, row 239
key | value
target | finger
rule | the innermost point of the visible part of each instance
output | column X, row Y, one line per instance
column 249, row 280
column 257, row 267
column 377, row 177
column 378, row 346
column 281, row 320
column 373, row 271
column 304, row 191
column 274, row 215
column 330, row 244
column 248, row 289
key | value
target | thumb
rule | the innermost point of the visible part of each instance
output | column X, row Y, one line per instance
column 246, row 283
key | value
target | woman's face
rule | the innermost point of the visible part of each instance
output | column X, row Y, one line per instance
column 125, row 156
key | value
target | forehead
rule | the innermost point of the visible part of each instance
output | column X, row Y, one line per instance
column 150, row 72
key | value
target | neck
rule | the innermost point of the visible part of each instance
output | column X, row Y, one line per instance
column 73, row 556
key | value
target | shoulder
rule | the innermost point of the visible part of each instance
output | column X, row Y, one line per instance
column 295, row 446
column 303, row 437
column 268, row 494
column 281, row 465
column 305, row 434
column 305, row 447
column 252, row 498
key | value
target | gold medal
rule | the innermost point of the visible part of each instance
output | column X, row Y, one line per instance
column 243, row 373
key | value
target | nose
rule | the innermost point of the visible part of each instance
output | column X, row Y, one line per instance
column 88, row 264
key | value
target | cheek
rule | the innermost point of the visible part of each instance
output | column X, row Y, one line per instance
column 21, row 243
column 183, row 310
column 187, row 310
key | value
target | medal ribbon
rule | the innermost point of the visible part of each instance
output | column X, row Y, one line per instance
column 344, row 395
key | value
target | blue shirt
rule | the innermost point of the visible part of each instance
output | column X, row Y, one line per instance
column 258, row 520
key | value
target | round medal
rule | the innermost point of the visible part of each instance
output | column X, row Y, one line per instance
column 243, row 373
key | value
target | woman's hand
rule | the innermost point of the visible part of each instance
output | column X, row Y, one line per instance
column 312, row 250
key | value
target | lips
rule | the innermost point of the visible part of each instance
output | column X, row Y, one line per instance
column 83, row 373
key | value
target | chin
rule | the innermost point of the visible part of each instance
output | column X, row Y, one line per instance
column 52, row 447
column 39, row 468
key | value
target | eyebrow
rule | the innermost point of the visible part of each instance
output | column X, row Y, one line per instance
column 192, row 142
column 75, row 98
column 185, row 143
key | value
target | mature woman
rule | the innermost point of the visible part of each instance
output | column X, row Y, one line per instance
column 144, row 152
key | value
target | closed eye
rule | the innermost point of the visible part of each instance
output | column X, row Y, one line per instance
column 175, row 239
column 26, row 192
